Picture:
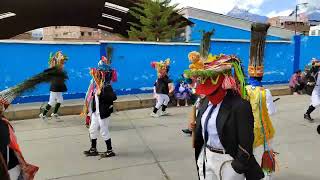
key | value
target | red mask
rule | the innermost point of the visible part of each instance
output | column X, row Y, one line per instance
column 214, row 92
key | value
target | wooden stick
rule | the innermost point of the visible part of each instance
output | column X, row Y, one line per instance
column 193, row 120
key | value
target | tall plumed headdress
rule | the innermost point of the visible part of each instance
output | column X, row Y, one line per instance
column 162, row 67
column 258, row 40
column 57, row 59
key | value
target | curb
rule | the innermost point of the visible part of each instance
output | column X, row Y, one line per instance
column 74, row 107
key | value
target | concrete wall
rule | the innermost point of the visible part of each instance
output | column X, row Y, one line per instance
column 310, row 48
column 279, row 57
column 22, row 60
column 132, row 61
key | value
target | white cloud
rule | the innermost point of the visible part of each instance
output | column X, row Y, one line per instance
column 279, row 13
column 222, row 6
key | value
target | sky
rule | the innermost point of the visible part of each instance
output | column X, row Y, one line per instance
column 268, row 8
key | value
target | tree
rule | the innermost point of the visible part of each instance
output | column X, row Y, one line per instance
column 158, row 21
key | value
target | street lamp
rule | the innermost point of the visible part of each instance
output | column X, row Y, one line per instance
column 295, row 24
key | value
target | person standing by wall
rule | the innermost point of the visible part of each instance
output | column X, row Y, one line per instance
column 296, row 84
column 315, row 97
column 261, row 100
column 99, row 106
column 162, row 89
column 57, row 86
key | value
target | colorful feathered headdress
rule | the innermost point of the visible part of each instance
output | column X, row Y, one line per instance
column 258, row 40
column 162, row 67
column 215, row 71
column 104, row 74
column 57, row 59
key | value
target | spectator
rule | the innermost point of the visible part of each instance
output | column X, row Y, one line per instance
column 296, row 83
column 182, row 90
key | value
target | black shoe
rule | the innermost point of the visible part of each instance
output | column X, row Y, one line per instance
column 318, row 129
column 108, row 154
column 91, row 152
column 187, row 131
column 308, row 117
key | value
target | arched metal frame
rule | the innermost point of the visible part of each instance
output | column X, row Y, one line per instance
column 19, row 16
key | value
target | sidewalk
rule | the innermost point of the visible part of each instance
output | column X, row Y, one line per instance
column 155, row 148
column 74, row 107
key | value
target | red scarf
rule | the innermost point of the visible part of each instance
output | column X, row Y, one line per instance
column 218, row 96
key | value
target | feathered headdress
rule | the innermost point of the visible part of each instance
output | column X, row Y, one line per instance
column 57, row 59
column 219, row 70
column 162, row 67
column 8, row 95
column 258, row 40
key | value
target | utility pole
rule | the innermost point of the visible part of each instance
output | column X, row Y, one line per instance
column 295, row 24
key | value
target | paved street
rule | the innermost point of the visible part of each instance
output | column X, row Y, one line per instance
column 155, row 149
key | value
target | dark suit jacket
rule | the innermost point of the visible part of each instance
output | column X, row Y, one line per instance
column 235, row 128
column 106, row 99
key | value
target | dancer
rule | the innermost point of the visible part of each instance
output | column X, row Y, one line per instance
column 99, row 106
column 315, row 97
column 261, row 100
column 57, row 87
column 12, row 163
column 161, row 87
column 224, row 125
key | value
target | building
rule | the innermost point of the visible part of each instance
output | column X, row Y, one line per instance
column 300, row 24
column 24, row 36
column 76, row 33
column 315, row 31
column 226, row 27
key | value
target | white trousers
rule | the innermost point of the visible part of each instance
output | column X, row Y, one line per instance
column 162, row 99
column 99, row 124
column 14, row 173
column 55, row 97
column 218, row 167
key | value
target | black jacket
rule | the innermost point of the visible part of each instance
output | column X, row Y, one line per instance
column 58, row 85
column 235, row 128
column 162, row 85
column 106, row 98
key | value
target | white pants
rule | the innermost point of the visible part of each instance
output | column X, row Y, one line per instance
column 218, row 167
column 14, row 173
column 162, row 99
column 98, row 123
column 55, row 97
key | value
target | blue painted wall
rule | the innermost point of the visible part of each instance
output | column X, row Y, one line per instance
column 279, row 58
column 132, row 61
column 310, row 48
column 221, row 31
column 21, row 60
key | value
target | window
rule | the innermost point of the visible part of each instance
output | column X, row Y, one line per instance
column 318, row 32
column 65, row 33
column 313, row 33
column 89, row 33
column 82, row 33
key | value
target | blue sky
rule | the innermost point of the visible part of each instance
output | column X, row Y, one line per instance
column 263, row 7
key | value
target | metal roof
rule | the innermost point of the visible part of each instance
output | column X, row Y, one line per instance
column 191, row 12
column 19, row 16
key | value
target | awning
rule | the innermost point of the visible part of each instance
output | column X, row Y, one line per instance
column 19, row 16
